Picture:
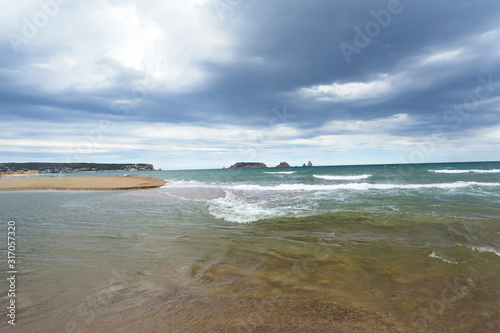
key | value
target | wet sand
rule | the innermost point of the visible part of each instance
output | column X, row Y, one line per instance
column 79, row 183
column 144, row 303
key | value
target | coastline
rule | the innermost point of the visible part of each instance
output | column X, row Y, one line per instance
column 104, row 183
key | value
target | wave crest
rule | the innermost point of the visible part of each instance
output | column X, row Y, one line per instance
column 281, row 172
column 360, row 186
column 452, row 171
column 236, row 209
column 353, row 177
column 443, row 259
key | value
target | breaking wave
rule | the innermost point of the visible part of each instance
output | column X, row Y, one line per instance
column 359, row 186
column 465, row 171
column 233, row 208
column 354, row 177
column 485, row 249
column 443, row 259
column 281, row 172
column 233, row 200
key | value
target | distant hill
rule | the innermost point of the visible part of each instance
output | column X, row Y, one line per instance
column 42, row 167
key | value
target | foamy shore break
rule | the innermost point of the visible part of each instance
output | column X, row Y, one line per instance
column 79, row 183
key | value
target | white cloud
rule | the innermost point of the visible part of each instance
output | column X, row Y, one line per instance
column 488, row 134
column 440, row 57
column 375, row 125
column 221, row 133
column 96, row 40
column 337, row 142
column 78, row 140
column 350, row 91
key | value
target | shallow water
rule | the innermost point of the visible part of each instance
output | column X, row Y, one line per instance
column 253, row 251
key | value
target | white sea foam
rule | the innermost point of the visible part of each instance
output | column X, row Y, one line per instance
column 359, row 186
column 281, row 172
column 246, row 202
column 236, row 209
column 466, row 171
column 188, row 183
column 487, row 249
column 443, row 259
column 354, row 177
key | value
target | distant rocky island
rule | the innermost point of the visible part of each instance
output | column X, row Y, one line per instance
column 256, row 165
column 41, row 167
column 248, row 165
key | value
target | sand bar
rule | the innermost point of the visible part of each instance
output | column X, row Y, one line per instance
column 79, row 183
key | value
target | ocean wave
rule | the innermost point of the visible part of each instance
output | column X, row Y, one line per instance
column 281, row 172
column 237, row 209
column 188, row 183
column 354, row 177
column 443, row 259
column 465, row 171
column 485, row 249
column 360, row 186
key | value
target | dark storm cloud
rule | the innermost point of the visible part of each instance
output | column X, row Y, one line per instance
column 322, row 61
column 286, row 45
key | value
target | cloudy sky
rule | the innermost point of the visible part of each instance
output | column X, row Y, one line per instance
column 206, row 83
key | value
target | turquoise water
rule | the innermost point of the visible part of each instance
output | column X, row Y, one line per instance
column 384, row 248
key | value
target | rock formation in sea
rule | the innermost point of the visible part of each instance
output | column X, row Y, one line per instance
column 283, row 165
column 304, row 165
column 248, row 165
column 309, row 164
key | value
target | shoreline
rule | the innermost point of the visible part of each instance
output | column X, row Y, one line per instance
column 103, row 183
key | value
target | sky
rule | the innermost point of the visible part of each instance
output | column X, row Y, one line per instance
column 197, row 84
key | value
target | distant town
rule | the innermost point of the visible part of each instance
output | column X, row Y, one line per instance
column 50, row 168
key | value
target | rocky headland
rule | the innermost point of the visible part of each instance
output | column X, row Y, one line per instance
column 43, row 167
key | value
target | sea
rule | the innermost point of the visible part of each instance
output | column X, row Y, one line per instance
column 369, row 248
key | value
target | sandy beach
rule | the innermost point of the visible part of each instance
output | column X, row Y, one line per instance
column 79, row 183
